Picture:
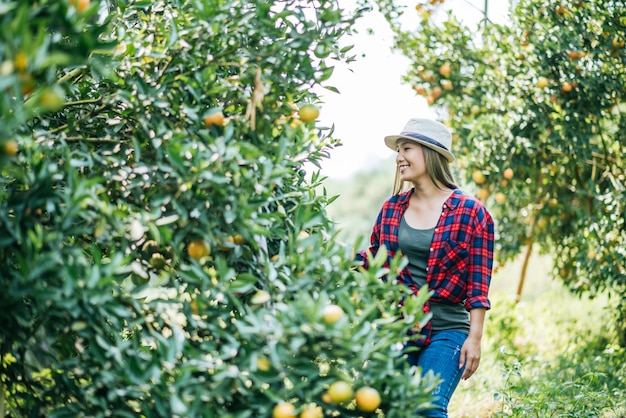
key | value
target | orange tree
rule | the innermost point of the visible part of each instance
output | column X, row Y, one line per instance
column 537, row 108
column 163, row 251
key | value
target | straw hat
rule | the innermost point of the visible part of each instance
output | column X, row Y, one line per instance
column 427, row 132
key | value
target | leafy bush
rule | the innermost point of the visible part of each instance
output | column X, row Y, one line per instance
column 164, row 253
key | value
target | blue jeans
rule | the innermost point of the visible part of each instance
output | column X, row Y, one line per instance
column 442, row 357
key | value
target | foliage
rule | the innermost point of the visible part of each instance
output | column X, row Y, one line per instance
column 549, row 359
column 536, row 105
column 164, row 253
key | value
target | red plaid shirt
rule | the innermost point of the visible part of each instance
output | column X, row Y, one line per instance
column 461, row 253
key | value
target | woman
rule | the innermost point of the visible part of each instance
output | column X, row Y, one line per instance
column 448, row 239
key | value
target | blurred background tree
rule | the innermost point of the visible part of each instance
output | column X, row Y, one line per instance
column 164, row 253
column 536, row 105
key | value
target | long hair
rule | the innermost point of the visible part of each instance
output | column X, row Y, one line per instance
column 438, row 169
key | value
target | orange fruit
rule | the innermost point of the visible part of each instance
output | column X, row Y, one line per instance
column 508, row 173
column 238, row 239
column 51, row 99
column 340, row 392
column 216, row 118
column 482, row 193
column 618, row 43
column 566, row 87
column 478, row 177
column 446, row 84
column 312, row 411
column 198, row 249
column 81, row 5
column 445, row 70
column 500, row 197
column 284, row 410
column 420, row 90
column 11, row 148
column 367, row 399
column 263, row 364
column 542, row 82
column 308, row 113
column 21, row 62
column 331, row 314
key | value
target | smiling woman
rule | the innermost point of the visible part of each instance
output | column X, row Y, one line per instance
column 448, row 239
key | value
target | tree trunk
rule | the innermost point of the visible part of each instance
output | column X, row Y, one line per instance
column 522, row 278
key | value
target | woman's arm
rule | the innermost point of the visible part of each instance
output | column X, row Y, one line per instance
column 470, row 352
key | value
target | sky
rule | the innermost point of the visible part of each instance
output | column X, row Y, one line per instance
column 373, row 101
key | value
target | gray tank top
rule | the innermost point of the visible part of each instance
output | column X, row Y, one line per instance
column 415, row 245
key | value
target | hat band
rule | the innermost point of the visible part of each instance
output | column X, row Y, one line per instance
column 424, row 138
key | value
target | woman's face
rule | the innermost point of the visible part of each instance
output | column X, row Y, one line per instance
column 410, row 161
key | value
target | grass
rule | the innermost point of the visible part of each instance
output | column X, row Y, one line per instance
column 550, row 355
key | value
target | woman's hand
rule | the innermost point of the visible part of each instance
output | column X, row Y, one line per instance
column 470, row 356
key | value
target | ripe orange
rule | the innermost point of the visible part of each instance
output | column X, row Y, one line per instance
column 198, row 249
column 618, row 43
column 312, row 411
column 575, row 55
column 216, row 118
column 367, row 399
column 478, row 177
column 420, row 90
column 340, row 391
column 500, row 198
column 508, row 173
column 482, row 193
column 284, row 410
column 308, row 113
column 81, row 5
column 326, row 398
column 566, row 87
column 445, row 70
column 446, row 84
column 542, row 82
column 11, row 148
column 331, row 314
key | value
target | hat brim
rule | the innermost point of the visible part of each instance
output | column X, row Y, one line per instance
column 392, row 142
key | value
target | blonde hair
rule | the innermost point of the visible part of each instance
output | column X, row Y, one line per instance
column 438, row 169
